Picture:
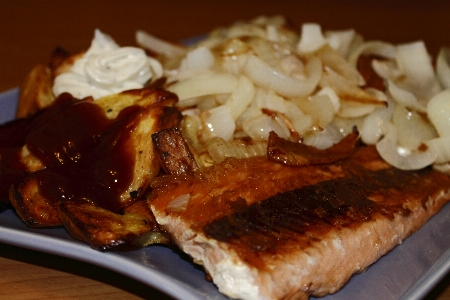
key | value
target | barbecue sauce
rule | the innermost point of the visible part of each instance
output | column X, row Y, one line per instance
column 87, row 157
column 12, row 138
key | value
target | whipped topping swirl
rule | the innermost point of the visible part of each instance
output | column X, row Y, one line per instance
column 107, row 69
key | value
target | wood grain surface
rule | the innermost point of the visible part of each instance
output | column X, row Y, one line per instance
column 29, row 31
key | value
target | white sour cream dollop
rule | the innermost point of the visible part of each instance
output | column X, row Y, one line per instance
column 107, row 69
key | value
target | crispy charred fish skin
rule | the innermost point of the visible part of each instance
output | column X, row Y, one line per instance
column 264, row 230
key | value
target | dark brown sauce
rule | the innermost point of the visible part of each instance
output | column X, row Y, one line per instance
column 12, row 138
column 312, row 209
column 87, row 157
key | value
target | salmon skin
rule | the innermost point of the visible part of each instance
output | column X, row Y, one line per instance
column 263, row 230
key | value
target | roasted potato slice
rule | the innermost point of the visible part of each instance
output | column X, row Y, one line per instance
column 32, row 207
column 173, row 152
column 103, row 229
column 154, row 115
column 36, row 91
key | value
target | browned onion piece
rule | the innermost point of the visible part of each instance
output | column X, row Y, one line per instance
column 299, row 154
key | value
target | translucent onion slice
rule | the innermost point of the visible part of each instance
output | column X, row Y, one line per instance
column 443, row 168
column 319, row 108
column 325, row 138
column 243, row 29
column 350, row 109
column 265, row 76
column 347, row 90
column 333, row 59
column 311, row 38
column 152, row 43
column 414, row 61
column 443, row 67
column 327, row 91
column 340, row 40
column 371, row 130
column 388, row 150
column 259, row 127
column 241, row 97
column 441, row 147
column 198, row 58
column 179, row 204
column 234, row 64
column 214, row 83
column 386, row 69
column 405, row 97
column 418, row 72
column 438, row 110
column 299, row 121
column 412, row 128
column 219, row 149
column 376, row 48
column 268, row 99
column 219, row 122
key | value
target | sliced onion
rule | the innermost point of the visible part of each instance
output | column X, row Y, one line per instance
column 198, row 58
column 376, row 48
column 371, row 130
column 347, row 90
column 405, row 97
column 443, row 67
column 346, row 125
column 179, row 204
column 388, row 150
column 243, row 29
column 300, row 121
column 219, row 122
column 350, row 109
column 214, row 83
column 412, row 128
column 327, row 91
column 241, row 97
column 443, row 168
column 219, row 149
column 268, row 99
column 251, row 112
column 340, row 40
column 438, row 110
column 441, row 147
column 325, row 138
column 311, row 38
column 152, row 43
column 319, row 108
column 333, row 59
column 259, row 127
column 265, row 76
column 415, row 63
column 386, row 69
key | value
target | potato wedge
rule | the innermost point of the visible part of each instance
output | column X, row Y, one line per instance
column 36, row 91
column 34, row 206
column 103, row 229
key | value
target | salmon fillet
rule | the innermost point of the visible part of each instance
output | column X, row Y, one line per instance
column 264, row 230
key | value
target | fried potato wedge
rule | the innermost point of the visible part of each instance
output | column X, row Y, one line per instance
column 32, row 207
column 37, row 210
column 173, row 152
column 35, row 91
column 103, row 229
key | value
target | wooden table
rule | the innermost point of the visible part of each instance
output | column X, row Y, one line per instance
column 29, row 30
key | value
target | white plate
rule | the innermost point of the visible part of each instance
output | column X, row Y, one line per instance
column 409, row 271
